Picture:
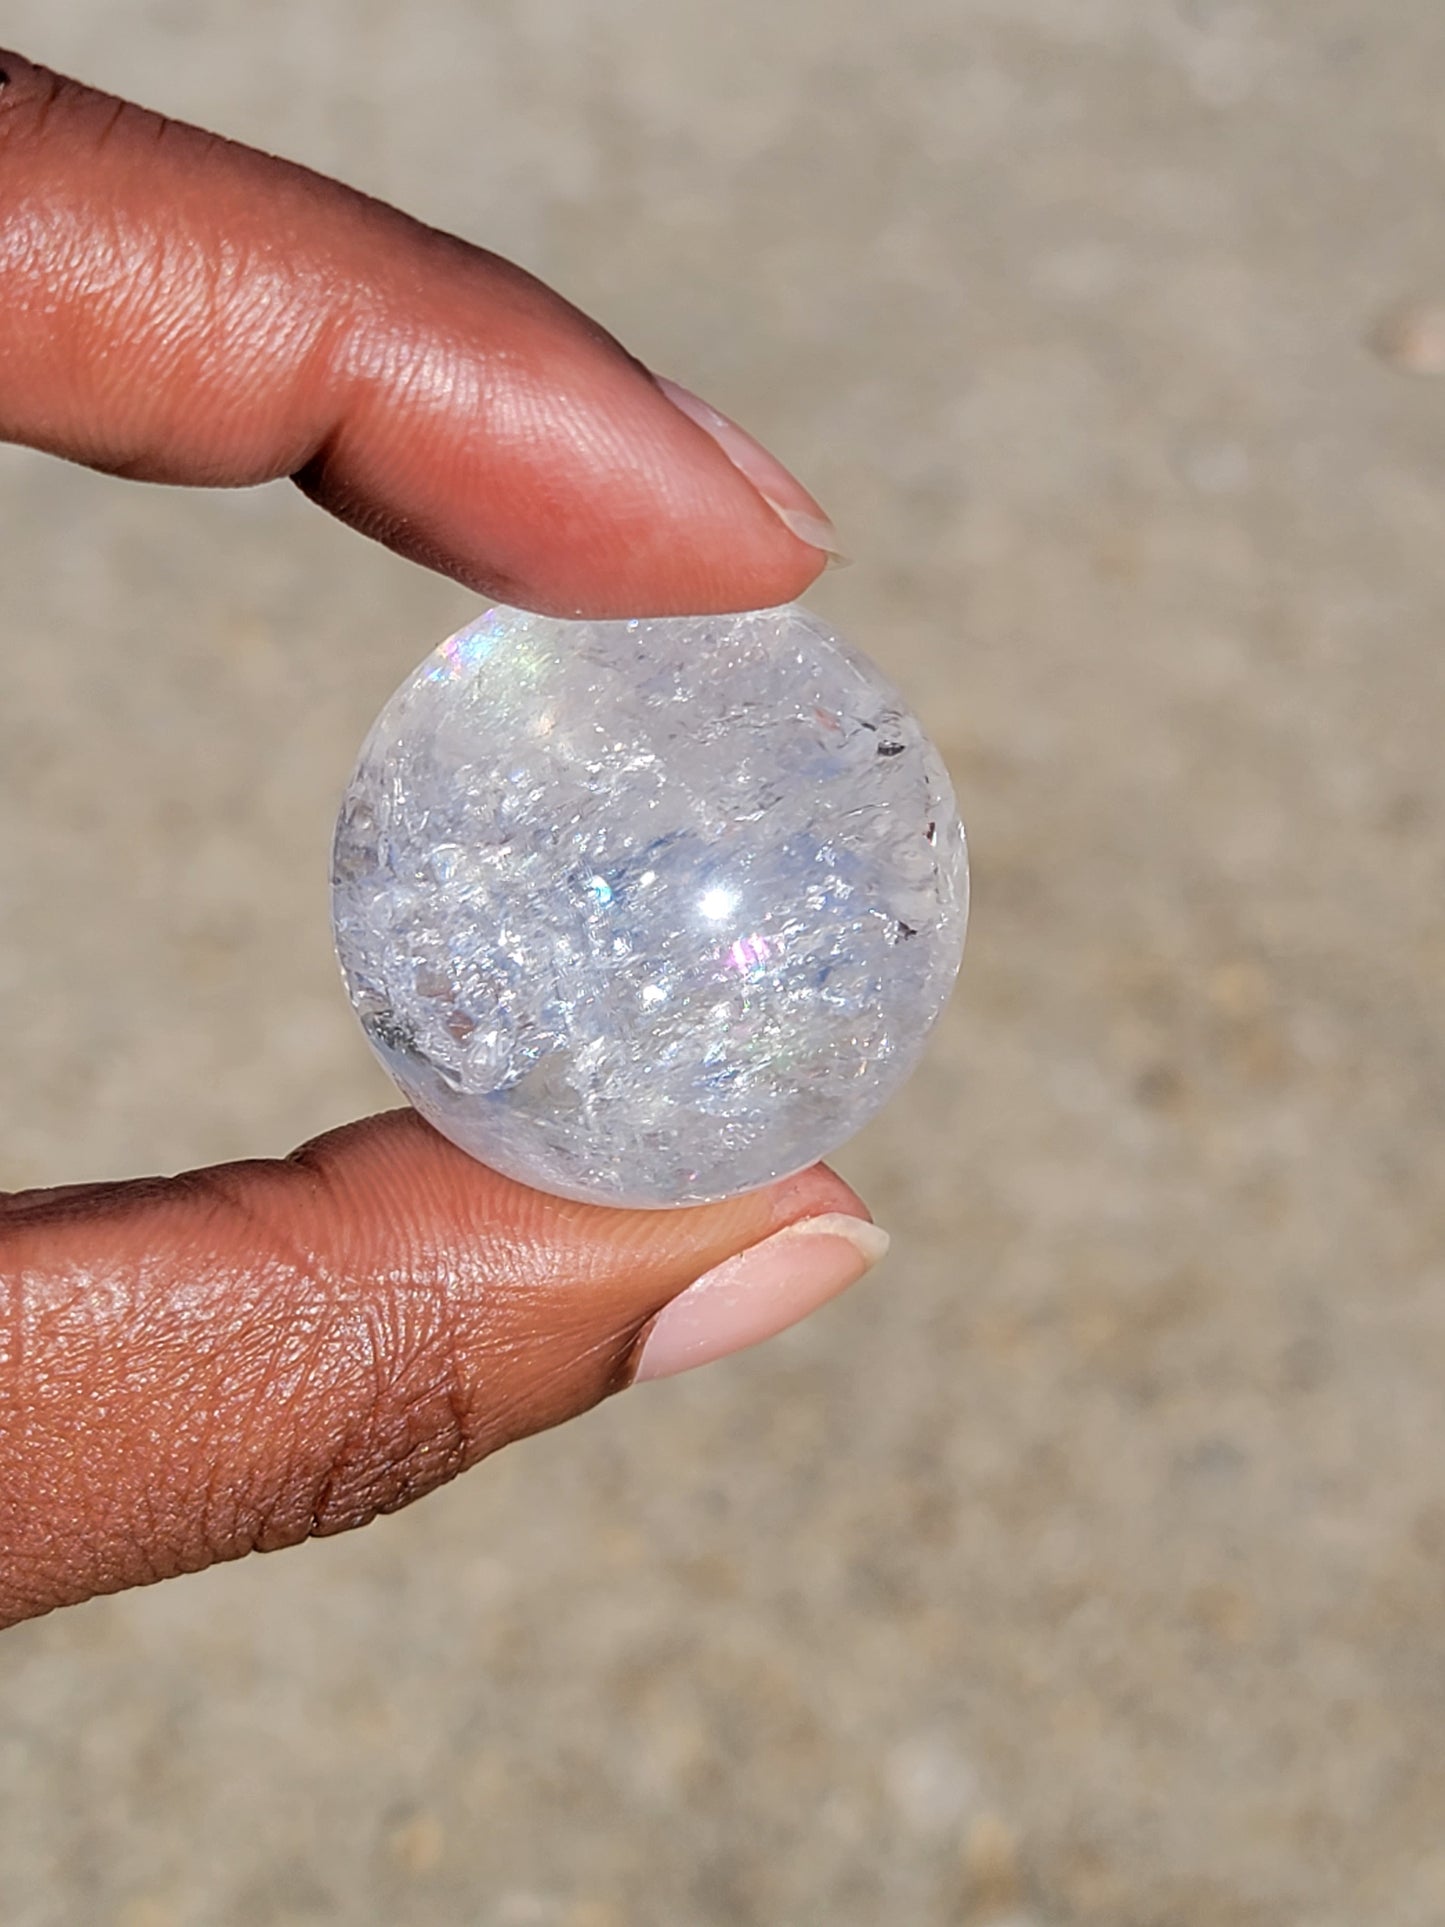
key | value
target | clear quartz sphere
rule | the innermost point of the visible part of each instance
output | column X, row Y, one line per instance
column 650, row 912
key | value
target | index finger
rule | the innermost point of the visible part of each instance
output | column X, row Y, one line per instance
column 178, row 308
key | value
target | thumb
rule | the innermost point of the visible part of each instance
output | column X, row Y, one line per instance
column 232, row 1360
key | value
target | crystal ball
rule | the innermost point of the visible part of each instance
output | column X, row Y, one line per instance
column 653, row 912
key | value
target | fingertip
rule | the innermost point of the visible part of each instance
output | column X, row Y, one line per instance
column 442, row 401
column 574, row 486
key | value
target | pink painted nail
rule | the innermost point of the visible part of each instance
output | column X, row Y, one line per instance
column 782, row 491
column 760, row 1292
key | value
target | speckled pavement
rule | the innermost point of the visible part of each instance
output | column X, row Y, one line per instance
column 1087, row 1567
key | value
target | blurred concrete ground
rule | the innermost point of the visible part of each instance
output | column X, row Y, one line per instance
column 1088, row 1567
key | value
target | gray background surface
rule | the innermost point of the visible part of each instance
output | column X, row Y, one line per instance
column 1088, row 1566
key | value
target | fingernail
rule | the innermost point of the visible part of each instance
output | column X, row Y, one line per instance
column 783, row 492
column 759, row 1293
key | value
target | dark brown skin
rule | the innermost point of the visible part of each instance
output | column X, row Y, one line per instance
column 232, row 1360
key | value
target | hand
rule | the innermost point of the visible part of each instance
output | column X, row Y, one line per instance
column 197, row 1367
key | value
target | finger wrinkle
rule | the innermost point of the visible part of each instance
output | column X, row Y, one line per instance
column 361, row 1388
column 406, row 1425
column 119, row 111
column 27, row 103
